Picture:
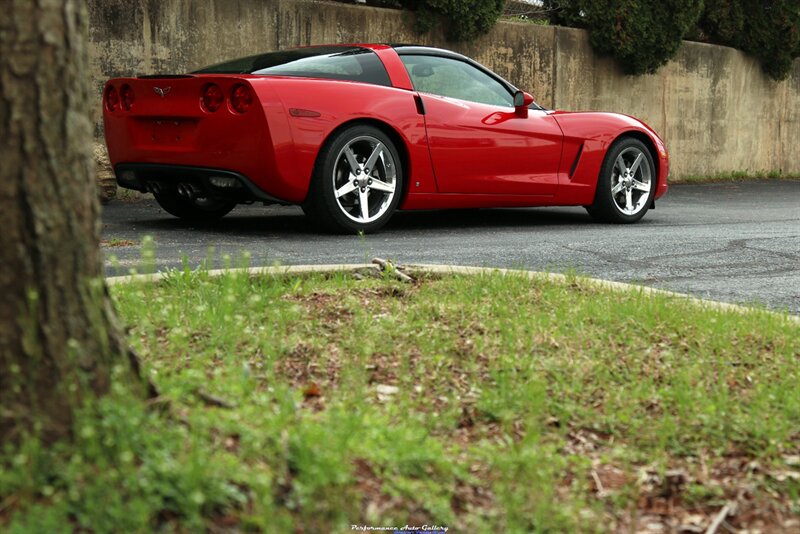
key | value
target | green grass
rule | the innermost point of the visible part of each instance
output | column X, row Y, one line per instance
column 484, row 403
column 734, row 176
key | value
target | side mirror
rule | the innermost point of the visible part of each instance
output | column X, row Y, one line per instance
column 521, row 102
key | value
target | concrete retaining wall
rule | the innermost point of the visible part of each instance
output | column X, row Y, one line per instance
column 713, row 105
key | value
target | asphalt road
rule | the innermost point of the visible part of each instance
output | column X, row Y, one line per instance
column 729, row 242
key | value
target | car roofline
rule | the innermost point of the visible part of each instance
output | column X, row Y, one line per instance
column 422, row 50
column 404, row 49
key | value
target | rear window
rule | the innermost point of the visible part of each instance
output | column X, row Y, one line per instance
column 331, row 62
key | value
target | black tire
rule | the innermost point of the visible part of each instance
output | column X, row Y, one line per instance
column 197, row 211
column 334, row 171
column 616, row 175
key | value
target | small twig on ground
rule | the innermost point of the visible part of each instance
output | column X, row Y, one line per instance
column 213, row 400
column 727, row 510
column 598, row 484
column 159, row 402
column 389, row 267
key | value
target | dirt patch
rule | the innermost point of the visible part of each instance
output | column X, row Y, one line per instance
column 113, row 243
column 309, row 370
column 376, row 502
column 688, row 496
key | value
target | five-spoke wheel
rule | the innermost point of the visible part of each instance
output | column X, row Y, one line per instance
column 626, row 184
column 357, row 181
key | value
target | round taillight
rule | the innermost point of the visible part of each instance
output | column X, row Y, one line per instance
column 241, row 98
column 212, row 97
column 112, row 98
column 126, row 95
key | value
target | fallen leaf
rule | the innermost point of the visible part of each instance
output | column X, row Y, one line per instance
column 312, row 390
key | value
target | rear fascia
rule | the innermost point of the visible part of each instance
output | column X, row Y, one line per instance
column 170, row 127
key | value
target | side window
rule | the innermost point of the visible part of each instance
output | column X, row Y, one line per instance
column 455, row 79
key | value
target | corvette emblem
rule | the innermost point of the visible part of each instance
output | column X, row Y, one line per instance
column 162, row 91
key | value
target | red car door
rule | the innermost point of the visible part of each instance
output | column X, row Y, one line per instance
column 478, row 143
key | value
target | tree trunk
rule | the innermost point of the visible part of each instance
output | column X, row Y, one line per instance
column 59, row 337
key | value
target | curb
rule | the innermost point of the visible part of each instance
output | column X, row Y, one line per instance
column 466, row 270
column 273, row 270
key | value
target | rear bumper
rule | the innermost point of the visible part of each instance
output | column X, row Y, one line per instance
column 154, row 177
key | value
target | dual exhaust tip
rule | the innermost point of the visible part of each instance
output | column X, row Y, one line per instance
column 186, row 190
column 153, row 187
column 189, row 191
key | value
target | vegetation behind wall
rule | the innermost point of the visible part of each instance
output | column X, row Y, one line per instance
column 767, row 30
column 641, row 36
column 460, row 20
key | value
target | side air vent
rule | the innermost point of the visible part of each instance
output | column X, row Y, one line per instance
column 420, row 104
column 577, row 159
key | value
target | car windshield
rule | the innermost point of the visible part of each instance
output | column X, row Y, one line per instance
column 331, row 62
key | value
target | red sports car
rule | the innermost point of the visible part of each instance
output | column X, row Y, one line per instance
column 354, row 132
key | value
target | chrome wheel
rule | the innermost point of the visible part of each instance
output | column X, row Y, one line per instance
column 631, row 181
column 364, row 179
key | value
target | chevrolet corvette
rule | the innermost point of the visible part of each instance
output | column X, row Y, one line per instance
column 353, row 133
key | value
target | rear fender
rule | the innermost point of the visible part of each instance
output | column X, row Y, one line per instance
column 400, row 143
column 316, row 109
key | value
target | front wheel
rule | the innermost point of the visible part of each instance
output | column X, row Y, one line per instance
column 357, row 182
column 626, row 184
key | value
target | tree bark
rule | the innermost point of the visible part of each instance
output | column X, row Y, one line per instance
column 59, row 336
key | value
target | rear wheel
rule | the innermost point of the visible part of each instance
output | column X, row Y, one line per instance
column 194, row 209
column 357, row 182
column 626, row 184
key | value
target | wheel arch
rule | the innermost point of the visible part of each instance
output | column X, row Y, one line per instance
column 391, row 132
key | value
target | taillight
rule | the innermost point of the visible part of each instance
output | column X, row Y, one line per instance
column 127, row 97
column 212, row 97
column 241, row 98
column 112, row 98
